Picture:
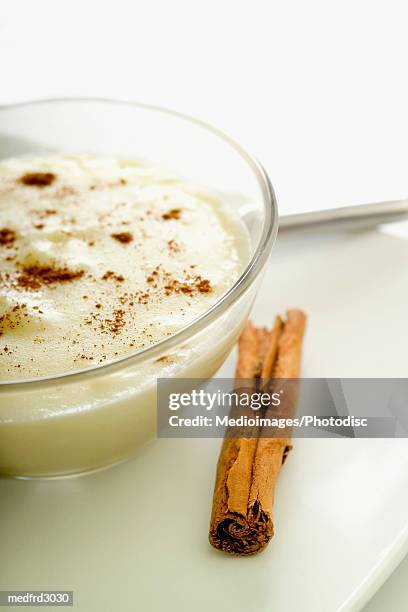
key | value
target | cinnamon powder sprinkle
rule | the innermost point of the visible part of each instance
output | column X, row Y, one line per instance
column 7, row 236
column 13, row 318
column 174, row 213
column 114, row 325
column 37, row 179
column 190, row 287
column 34, row 277
column 111, row 275
column 123, row 237
column 161, row 280
column 173, row 246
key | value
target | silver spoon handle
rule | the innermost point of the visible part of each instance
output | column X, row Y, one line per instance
column 347, row 217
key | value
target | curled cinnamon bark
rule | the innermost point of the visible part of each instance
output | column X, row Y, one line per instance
column 248, row 467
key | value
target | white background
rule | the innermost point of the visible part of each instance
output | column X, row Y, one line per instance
column 317, row 90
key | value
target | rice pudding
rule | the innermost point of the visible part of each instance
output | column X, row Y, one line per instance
column 101, row 258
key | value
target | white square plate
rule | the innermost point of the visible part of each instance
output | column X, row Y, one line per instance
column 135, row 537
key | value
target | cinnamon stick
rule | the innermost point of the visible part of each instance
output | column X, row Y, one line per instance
column 248, row 468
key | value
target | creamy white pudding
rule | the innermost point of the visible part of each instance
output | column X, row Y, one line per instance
column 102, row 257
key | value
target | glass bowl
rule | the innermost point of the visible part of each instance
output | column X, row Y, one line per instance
column 84, row 420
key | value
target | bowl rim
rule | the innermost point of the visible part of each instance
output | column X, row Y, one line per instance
column 249, row 274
